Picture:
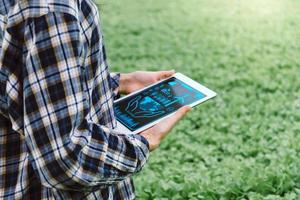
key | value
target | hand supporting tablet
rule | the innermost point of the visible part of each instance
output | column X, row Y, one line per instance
column 142, row 109
column 158, row 132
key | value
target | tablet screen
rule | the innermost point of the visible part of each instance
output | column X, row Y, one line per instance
column 155, row 102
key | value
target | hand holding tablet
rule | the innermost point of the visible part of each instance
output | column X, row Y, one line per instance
column 142, row 109
column 158, row 132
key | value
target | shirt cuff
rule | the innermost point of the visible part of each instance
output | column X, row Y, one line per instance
column 114, row 82
column 144, row 152
column 143, row 140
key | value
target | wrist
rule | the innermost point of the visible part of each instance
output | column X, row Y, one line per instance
column 152, row 139
column 124, row 82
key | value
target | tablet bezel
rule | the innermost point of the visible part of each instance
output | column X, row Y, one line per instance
column 207, row 92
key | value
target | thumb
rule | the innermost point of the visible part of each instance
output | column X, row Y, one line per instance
column 166, row 74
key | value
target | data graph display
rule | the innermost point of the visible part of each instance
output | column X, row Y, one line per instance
column 155, row 102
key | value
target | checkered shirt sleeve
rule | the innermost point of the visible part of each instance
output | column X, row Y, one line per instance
column 72, row 146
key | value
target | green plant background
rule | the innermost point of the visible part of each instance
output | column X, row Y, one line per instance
column 244, row 144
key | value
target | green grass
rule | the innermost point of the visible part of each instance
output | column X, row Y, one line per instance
column 244, row 144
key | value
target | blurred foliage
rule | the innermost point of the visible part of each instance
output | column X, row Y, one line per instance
column 244, row 144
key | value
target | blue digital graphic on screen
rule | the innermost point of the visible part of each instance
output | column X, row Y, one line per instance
column 155, row 102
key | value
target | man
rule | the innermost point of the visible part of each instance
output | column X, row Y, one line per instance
column 56, row 106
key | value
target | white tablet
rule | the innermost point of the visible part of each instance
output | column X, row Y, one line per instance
column 142, row 109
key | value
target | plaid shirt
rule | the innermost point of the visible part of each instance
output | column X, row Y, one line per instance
column 56, row 106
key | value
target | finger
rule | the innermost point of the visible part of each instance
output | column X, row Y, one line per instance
column 166, row 74
column 179, row 114
column 172, row 120
column 165, row 126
